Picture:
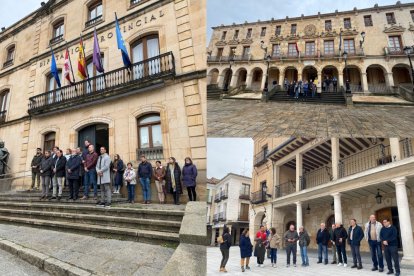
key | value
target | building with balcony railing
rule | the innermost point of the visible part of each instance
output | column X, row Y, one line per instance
column 336, row 179
column 154, row 107
column 231, row 206
column 378, row 65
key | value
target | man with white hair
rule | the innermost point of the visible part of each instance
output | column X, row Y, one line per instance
column 372, row 235
column 322, row 240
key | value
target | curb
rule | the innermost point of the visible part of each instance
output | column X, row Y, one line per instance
column 47, row 263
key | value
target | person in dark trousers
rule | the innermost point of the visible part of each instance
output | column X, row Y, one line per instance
column 90, row 172
column 340, row 237
column 118, row 170
column 274, row 243
column 145, row 175
column 37, row 159
column 104, row 178
column 46, row 173
column 173, row 180
column 189, row 178
column 331, row 237
column 246, row 249
column 388, row 236
column 225, row 248
column 322, row 240
column 82, row 169
column 291, row 237
column 335, row 84
column 59, row 172
column 304, row 241
column 73, row 166
column 260, row 246
column 372, row 235
column 355, row 235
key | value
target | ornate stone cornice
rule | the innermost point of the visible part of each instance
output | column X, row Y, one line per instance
column 349, row 32
column 278, row 38
column 394, row 29
column 292, row 37
column 246, row 41
column 329, row 34
column 233, row 42
column 221, row 43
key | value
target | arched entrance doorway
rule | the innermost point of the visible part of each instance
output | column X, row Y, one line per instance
column 273, row 77
column 376, row 79
column 390, row 213
column 227, row 79
column 258, row 220
column 328, row 73
column 309, row 73
column 354, row 78
column 242, row 77
column 257, row 79
column 213, row 76
column 97, row 134
column 291, row 74
column 401, row 74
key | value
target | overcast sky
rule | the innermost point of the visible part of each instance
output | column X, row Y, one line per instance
column 238, row 11
column 12, row 11
column 229, row 155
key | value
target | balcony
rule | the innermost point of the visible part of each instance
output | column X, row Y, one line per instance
column 93, row 21
column 224, row 194
column 258, row 197
column 364, row 160
column 316, row 177
column 8, row 63
column 260, row 158
column 141, row 76
column 222, row 216
column 245, row 57
column 285, row 188
column 3, row 116
column 155, row 153
column 244, row 196
column 395, row 51
column 56, row 39
column 217, row 198
column 216, row 218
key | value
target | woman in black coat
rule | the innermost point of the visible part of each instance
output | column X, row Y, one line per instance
column 225, row 248
column 173, row 179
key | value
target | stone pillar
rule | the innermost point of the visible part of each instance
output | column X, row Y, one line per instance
column 405, row 220
column 335, row 157
column 234, row 79
column 264, row 78
column 299, row 169
column 220, row 80
column 319, row 88
column 249, row 79
column 276, row 173
column 299, row 219
column 364, row 81
column 281, row 79
column 337, row 207
column 299, row 76
column 341, row 79
column 389, row 79
column 395, row 149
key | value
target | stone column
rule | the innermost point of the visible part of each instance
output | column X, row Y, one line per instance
column 389, row 79
column 234, row 79
column 340, row 80
column 220, row 80
column 335, row 157
column 281, row 79
column 264, row 78
column 364, row 81
column 276, row 172
column 395, row 149
column 299, row 220
column 299, row 169
column 337, row 207
column 299, row 76
column 319, row 88
column 405, row 220
column 249, row 80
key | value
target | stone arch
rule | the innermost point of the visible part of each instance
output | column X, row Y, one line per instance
column 376, row 78
column 241, row 76
column 258, row 220
column 309, row 73
column 257, row 78
column 401, row 74
column 212, row 76
column 274, row 75
column 354, row 76
column 291, row 73
column 41, row 136
column 225, row 78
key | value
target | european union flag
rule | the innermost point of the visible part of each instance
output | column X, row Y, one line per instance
column 121, row 45
column 54, row 70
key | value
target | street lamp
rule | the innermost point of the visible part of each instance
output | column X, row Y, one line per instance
column 378, row 197
column 408, row 51
column 267, row 58
column 308, row 210
column 347, row 84
column 264, row 192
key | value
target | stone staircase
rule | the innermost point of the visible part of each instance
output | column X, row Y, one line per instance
column 326, row 98
column 213, row 92
column 154, row 224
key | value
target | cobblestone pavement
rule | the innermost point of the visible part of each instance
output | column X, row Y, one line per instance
column 233, row 266
column 11, row 265
column 102, row 256
column 245, row 118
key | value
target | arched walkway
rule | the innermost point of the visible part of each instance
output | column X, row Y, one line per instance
column 226, row 78
column 354, row 78
column 291, row 74
column 401, row 74
column 257, row 76
column 241, row 77
column 258, row 220
column 309, row 73
column 376, row 78
column 212, row 77
column 274, row 74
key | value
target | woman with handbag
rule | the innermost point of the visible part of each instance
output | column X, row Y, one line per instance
column 130, row 179
column 246, row 248
column 173, row 180
column 225, row 248
column 260, row 247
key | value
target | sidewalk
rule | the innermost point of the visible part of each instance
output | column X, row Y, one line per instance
column 95, row 255
column 233, row 266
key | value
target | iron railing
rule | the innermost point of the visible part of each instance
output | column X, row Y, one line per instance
column 222, row 216
column 316, row 177
column 244, row 195
column 3, row 116
column 108, row 84
column 155, row 153
column 217, row 197
column 397, row 51
column 8, row 63
column 285, row 188
column 406, row 148
column 364, row 160
column 93, row 21
column 260, row 158
column 216, row 217
column 381, row 88
column 56, row 39
column 258, row 197
column 224, row 194
column 243, row 216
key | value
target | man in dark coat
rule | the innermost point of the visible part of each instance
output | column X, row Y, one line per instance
column 355, row 234
column 46, row 173
column 73, row 166
column 388, row 236
column 340, row 237
column 322, row 239
column 145, row 175
column 189, row 178
column 59, row 164
column 37, row 159
column 173, row 179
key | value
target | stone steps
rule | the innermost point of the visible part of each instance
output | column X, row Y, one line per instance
column 63, row 200
column 326, row 98
column 214, row 94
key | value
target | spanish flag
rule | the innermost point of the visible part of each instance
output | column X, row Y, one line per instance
column 81, row 62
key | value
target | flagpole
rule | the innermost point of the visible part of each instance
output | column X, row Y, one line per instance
column 86, row 65
column 100, row 57
column 71, row 67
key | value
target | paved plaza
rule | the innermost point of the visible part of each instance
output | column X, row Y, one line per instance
column 247, row 118
column 233, row 266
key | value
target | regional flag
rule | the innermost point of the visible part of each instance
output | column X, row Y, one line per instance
column 297, row 48
column 54, row 70
column 67, row 68
column 340, row 41
column 81, row 62
column 121, row 45
column 96, row 57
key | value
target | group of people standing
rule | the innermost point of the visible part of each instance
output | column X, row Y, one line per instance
column 380, row 237
column 309, row 88
column 85, row 168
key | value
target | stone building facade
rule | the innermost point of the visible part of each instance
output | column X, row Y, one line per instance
column 156, row 107
column 304, row 181
column 308, row 47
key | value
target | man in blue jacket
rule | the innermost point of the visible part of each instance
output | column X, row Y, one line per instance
column 322, row 240
column 355, row 235
column 145, row 174
column 388, row 236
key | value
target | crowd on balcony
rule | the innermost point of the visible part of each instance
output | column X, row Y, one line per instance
column 382, row 239
column 85, row 168
column 303, row 89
